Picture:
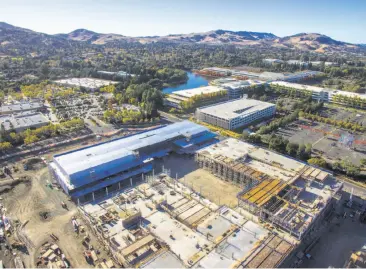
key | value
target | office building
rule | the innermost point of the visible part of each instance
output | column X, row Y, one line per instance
column 236, row 89
column 208, row 94
column 22, row 121
column 236, row 113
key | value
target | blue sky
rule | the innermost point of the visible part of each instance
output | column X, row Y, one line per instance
column 342, row 20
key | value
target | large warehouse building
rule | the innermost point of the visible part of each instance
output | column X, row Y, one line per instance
column 21, row 107
column 88, row 172
column 235, row 114
column 19, row 122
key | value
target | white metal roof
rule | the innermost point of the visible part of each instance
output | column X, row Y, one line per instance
column 233, row 109
column 123, row 148
column 197, row 91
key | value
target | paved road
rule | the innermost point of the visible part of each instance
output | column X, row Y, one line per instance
column 169, row 117
column 348, row 186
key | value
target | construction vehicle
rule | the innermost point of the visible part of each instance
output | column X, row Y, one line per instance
column 17, row 244
column 64, row 205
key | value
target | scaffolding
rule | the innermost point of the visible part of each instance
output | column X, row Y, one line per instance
column 230, row 170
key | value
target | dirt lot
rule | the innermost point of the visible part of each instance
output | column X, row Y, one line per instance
column 325, row 140
column 38, row 206
column 212, row 188
column 341, row 237
column 186, row 170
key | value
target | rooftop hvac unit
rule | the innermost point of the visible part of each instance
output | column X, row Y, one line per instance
column 136, row 154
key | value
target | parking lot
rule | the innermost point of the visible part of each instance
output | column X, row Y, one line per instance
column 344, row 114
column 325, row 140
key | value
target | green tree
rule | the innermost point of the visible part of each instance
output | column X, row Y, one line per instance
column 318, row 162
column 292, row 148
column 5, row 146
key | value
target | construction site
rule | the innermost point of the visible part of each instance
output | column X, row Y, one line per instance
column 162, row 223
column 279, row 190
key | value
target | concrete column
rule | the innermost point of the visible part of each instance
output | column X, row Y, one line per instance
column 119, row 185
column 106, row 190
column 93, row 196
column 131, row 182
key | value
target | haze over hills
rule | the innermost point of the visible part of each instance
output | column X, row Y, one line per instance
column 17, row 36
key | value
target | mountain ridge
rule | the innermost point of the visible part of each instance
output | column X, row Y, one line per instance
column 302, row 41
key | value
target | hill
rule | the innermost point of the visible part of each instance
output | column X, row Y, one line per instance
column 27, row 40
column 20, row 41
column 315, row 42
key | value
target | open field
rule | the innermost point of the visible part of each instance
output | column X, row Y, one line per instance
column 325, row 140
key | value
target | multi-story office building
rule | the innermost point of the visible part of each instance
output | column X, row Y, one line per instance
column 235, row 114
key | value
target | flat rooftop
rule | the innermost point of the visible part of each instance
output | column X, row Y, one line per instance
column 222, row 239
column 23, row 120
column 230, row 252
column 318, row 89
column 298, row 86
column 91, row 83
column 123, row 148
column 166, row 259
column 237, row 108
column 7, row 109
column 197, row 91
column 241, row 84
column 257, row 158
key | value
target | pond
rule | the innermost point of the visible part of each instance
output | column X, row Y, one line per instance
column 194, row 81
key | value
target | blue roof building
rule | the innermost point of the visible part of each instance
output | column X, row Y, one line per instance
column 90, row 170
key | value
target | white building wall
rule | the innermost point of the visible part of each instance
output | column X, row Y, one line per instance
column 237, row 122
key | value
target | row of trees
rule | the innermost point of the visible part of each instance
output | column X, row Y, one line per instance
column 29, row 136
column 279, row 144
column 199, row 100
column 338, row 123
column 346, row 166
column 291, row 92
column 275, row 124
column 124, row 116
column 350, row 101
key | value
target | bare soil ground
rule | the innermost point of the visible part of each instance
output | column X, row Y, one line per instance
column 29, row 204
column 212, row 188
